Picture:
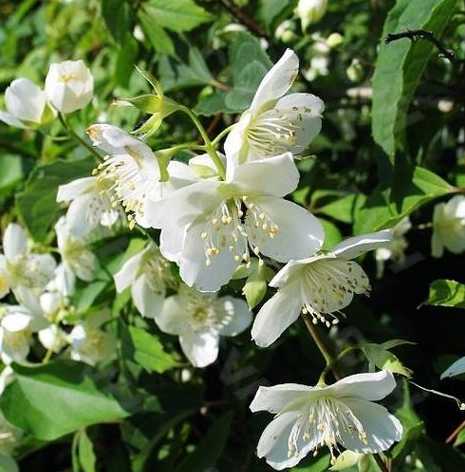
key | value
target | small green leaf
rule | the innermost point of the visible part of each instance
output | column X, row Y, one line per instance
column 332, row 234
column 157, row 36
column 146, row 350
column 86, row 453
column 54, row 399
column 382, row 358
column 447, row 293
column 344, row 209
column 117, row 18
column 125, row 61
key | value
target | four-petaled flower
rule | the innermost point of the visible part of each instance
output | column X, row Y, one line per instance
column 208, row 227
column 275, row 123
column 318, row 287
column 200, row 319
column 342, row 414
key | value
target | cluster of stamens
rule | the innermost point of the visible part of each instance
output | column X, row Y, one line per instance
column 327, row 419
column 158, row 271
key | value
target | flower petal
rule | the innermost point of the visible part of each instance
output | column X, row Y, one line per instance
column 14, row 241
column 457, row 368
column 369, row 386
column 275, row 316
column 75, row 188
column 354, row 247
column 25, row 100
column 275, row 399
column 128, row 272
column 147, row 301
column 171, row 318
column 192, row 263
column 299, row 233
column 382, row 429
column 277, row 176
column 11, row 120
column 241, row 316
column 16, row 320
column 200, row 348
column 277, row 81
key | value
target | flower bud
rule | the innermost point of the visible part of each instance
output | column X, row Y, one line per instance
column 69, row 86
column 26, row 105
column 285, row 32
column 311, row 11
column 355, row 71
column 334, row 40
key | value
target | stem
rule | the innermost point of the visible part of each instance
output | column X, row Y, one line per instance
column 47, row 356
column 325, row 352
column 381, row 464
column 77, row 138
column 210, row 148
column 221, row 135
column 245, row 19
column 455, row 433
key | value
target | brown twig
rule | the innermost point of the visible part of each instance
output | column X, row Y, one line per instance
column 414, row 35
column 455, row 433
column 245, row 19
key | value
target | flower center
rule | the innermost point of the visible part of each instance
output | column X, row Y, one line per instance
column 326, row 420
column 328, row 285
column 157, row 270
column 272, row 133
column 26, row 271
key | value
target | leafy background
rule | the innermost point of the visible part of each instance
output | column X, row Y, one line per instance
column 392, row 145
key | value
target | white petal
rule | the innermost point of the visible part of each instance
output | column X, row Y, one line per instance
column 241, row 316
column 457, row 368
column 382, row 429
column 275, row 316
column 14, row 241
column 148, row 302
column 299, row 234
column 275, row 399
column 65, row 280
column 277, row 81
column 75, row 188
column 200, row 348
column 368, row 386
column 236, row 145
column 11, row 120
column 128, row 272
column 80, row 217
column 171, row 318
column 15, row 322
column 354, row 247
column 304, row 111
column 193, row 268
column 291, row 269
column 86, row 266
column 274, row 442
column 172, row 240
column 277, row 176
column 25, row 100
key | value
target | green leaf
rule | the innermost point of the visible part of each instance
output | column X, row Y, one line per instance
column 412, row 187
column 210, row 447
column 212, row 104
column 269, row 9
column 146, row 350
column 117, row 18
column 125, row 61
column 344, row 209
column 447, row 293
column 37, row 204
column 54, row 399
column 157, row 36
column 332, row 234
column 382, row 358
column 401, row 64
column 11, row 172
column 86, row 453
column 321, row 463
column 176, row 15
column 255, row 288
column 8, row 464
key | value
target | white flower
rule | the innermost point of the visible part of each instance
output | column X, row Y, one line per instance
column 69, row 86
column 456, row 368
column 199, row 320
column 449, row 226
column 395, row 250
column 90, row 343
column 90, row 204
column 9, row 438
column 131, row 170
column 25, row 104
column 147, row 273
column 17, row 324
column 77, row 259
column 21, row 270
column 53, row 338
column 275, row 123
column 317, row 287
column 311, row 11
column 342, row 414
column 207, row 227
column 6, row 377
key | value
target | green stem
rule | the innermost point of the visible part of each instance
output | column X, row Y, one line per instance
column 77, row 138
column 220, row 136
column 209, row 147
column 47, row 357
